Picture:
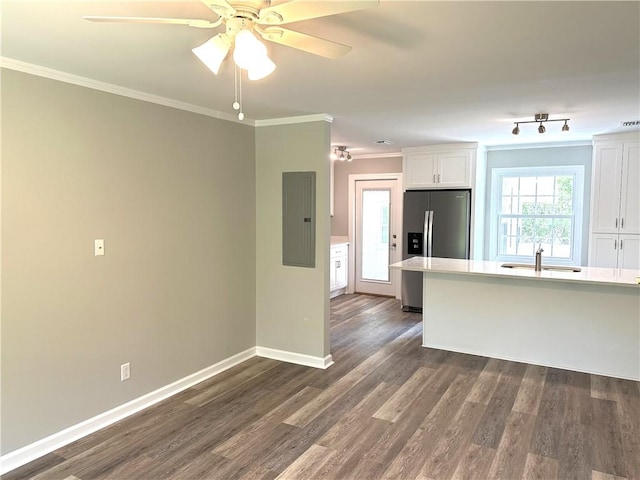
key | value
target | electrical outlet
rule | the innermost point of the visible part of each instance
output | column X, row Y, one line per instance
column 125, row 371
column 98, row 247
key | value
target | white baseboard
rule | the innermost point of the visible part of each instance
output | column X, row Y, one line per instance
column 30, row 452
column 292, row 357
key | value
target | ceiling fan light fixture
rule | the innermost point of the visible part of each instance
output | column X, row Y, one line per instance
column 248, row 50
column 262, row 68
column 213, row 52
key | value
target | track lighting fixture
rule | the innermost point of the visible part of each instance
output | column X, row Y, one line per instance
column 540, row 118
column 341, row 153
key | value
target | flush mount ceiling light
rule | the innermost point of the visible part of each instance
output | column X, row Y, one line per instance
column 541, row 118
column 244, row 21
column 341, row 153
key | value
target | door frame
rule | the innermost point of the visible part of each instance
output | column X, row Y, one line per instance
column 353, row 178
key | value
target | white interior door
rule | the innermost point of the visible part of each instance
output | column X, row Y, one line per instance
column 376, row 236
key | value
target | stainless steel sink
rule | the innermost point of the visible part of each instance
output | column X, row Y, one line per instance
column 555, row 268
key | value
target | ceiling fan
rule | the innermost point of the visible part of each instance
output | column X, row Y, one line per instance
column 245, row 18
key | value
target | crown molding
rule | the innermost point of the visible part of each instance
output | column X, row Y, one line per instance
column 632, row 135
column 526, row 146
column 322, row 117
column 377, row 155
column 40, row 71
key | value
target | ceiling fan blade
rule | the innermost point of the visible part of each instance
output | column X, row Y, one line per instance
column 302, row 41
column 297, row 10
column 221, row 7
column 174, row 21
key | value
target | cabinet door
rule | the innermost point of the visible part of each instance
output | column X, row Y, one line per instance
column 332, row 274
column 454, row 169
column 630, row 190
column 341, row 272
column 629, row 252
column 604, row 250
column 420, row 170
column 607, row 175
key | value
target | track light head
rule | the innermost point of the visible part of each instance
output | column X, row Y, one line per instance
column 541, row 128
column 516, row 130
column 565, row 127
column 344, row 154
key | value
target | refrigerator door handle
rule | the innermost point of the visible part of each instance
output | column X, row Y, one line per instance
column 428, row 232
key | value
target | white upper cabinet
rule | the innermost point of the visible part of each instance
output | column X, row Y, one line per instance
column 439, row 166
column 615, row 205
column 630, row 189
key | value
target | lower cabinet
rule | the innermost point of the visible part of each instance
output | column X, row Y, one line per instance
column 338, row 270
column 615, row 251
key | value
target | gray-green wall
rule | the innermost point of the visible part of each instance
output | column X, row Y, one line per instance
column 292, row 303
column 536, row 157
column 172, row 193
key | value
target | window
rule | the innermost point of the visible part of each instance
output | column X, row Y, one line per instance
column 534, row 206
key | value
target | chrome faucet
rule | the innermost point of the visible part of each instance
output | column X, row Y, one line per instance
column 539, row 258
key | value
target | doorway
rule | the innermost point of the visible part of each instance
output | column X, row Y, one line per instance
column 375, row 215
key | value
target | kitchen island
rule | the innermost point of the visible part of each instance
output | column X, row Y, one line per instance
column 588, row 321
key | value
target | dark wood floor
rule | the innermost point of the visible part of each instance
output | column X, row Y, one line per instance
column 388, row 409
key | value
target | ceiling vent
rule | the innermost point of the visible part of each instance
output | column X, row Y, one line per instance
column 383, row 142
column 634, row 123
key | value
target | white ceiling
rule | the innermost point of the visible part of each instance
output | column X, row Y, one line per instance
column 420, row 72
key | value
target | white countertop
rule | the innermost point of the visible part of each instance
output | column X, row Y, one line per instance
column 602, row 276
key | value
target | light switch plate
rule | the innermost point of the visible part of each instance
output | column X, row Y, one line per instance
column 99, row 247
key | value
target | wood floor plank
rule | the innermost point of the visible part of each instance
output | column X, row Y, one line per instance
column 375, row 461
column 492, row 425
column 452, row 444
column 574, row 455
column 393, row 408
column 606, row 441
column 530, row 392
column 308, row 464
column 408, row 463
column 628, row 404
column 340, row 433
column 511, row 453
column 595, row 475
column 546, row 437
column 578, row 402
column 475, row 463
column 538, row 467
column 487, row 382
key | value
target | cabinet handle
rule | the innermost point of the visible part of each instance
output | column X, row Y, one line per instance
column 616, row 223
column 621, row 223
column 438, row 178
column 615, row 244
column 620, row 244
column 434, row 178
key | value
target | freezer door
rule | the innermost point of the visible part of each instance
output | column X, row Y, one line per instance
column 415, row 241
column 413, row 214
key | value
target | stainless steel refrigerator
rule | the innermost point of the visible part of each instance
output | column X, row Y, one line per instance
column 436, row 223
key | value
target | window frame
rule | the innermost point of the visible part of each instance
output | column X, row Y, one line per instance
column 498, row 173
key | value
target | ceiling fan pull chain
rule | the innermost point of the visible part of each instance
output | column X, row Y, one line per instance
column 236, row 105
column 241, row 114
